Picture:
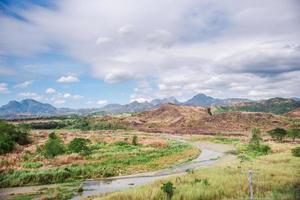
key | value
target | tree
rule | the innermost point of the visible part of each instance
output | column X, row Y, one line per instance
column 10, row 135
column 296, row 152
column 135, row 140
column 278, row 134
column 168, row 188
column 294, row 133
column 54, row 146
column 255, row 138
column 78, row 145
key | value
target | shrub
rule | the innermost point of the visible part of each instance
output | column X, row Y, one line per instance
column 6, row 144
column 32, row 165
column 256, row 138
column 168, row 188
column 79, row 145
column 135, row 140
column 11, row 134
column 54, row 146
column 121, row 143
column 294, row 133
column 296, row 152
column 278, row 134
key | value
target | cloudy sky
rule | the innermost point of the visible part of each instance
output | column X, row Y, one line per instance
column 77, row 53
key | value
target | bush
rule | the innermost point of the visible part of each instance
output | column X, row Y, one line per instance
column 168, row 188
column 54, row 146
column 294, row 133
column 135, row 140
column 255, row 138
column 296, row 152
column 79, row 145
column 32, row 165
column 278, row 134
column 121, row 143
column 6, row 144
column 11, row 134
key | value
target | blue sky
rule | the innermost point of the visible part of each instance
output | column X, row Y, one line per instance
column 75, row 53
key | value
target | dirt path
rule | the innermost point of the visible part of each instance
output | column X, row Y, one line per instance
column 211, row 154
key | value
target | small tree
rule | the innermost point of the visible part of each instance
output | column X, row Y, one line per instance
column 168, row 188
column 278, row 134
column 296, row 152
column 54, row 146
column 135, row 140
column 255, row 138
column 78, row 145
column 294, row 133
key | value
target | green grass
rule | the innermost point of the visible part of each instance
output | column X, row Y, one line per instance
column 276, row 176
column 106, row 160
column 32, row 165
column 216, row 139
column 61, row 192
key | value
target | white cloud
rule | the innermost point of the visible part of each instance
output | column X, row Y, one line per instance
column 102, row 102
column 3, row 88
column 126, row 29
column 59, row 101
column 32, row 95
column 196, row 46
column 71, row 96
column 23, row 85
column 68, row 79
column 50, row 91
column 103, row 40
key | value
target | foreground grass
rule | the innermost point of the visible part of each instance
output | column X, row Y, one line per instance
column 61, row 192
column 106, row 160
column 276, row 176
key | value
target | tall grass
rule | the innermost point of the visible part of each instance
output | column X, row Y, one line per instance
column 105, row 161
column 276, row 176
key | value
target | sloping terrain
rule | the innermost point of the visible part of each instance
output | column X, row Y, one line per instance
column 187, row 119
column 293, row 113
column 169, row 115
column 274, row 105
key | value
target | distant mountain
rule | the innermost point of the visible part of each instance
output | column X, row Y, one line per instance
column 206, row 101
column 158, row 102
column 27, row 107
column 274, row 105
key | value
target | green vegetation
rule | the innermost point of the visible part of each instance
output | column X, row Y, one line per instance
column 134, row 140
column 296, row 152
column 61, row 192
column 79, row 145
column 278, row 134
column 32, row 165
column 254, row 148
column 168, row 188
column 216, row 139
column 11, row 135
column 276, row 176
column 80, row 123
column 294, row 133
column 53, row 146
column 277, row 106
column 107, row 160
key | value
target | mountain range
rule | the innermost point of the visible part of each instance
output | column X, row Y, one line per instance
column 33, row 108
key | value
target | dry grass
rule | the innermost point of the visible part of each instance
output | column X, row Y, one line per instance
column 276, row 176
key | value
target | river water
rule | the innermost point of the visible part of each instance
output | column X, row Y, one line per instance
column 101, row 186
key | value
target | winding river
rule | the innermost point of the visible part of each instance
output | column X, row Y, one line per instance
column 211, row 154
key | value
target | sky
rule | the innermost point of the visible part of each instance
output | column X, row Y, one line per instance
column 79, row 54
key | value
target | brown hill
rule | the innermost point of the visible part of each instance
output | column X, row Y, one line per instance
column 188, row 119
column 293, row 113
column 169, row 115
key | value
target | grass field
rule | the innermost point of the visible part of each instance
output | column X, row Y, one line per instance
column 276, row 176
column 107, row 157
